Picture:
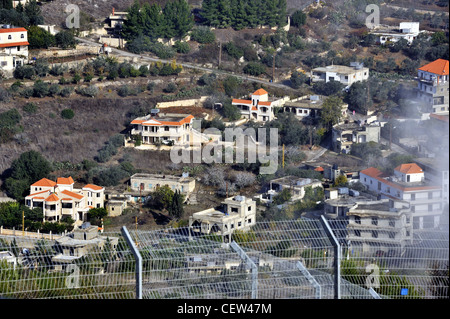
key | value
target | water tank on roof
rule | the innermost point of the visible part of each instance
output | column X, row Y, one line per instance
column 85, row 225
column 314, row 98
column 185, row 174
column 343, row 190
column 240, row 198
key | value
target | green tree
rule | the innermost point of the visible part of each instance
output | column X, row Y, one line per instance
column 33, row 12
column 298, row 18
column 30, row 166
column 341, row 180
column 282, row 197
column 65, row 39
column 331, row 113
column 297, row 79
column 39, row 38
column 162, row 197
column 176, row 207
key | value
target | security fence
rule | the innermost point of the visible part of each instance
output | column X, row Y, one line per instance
column 307, row 258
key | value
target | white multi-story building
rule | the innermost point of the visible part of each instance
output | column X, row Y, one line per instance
column 259, row 108
column 239, row 213
column 408, row 184
column 432, row 85
column 379, row 227
column 168, row 129
column 13, row 48
column 60, row 198
column 346, row 75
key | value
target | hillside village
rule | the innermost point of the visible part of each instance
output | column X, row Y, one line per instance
column 92, row 117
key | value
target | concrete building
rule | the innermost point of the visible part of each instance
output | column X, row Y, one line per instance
column 432, row 86
column 141, row 185
column 382, row 227
column 237, row 213
column 60, row 198
column 436, row 171
column 81, row 241
column 296, row 186
column 406, row 30
column 345, row 135
column 408, row 184
column 13, row 48
column 260, row 108
column 167, row 129
column 309, row 106
column 346, row 75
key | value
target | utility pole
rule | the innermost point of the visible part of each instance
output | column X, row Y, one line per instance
column 273, row 67
column 283, row 156
column 23, row 223
column 220, row 53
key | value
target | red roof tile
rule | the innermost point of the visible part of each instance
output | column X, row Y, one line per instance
column 65, row 180
column 260, row 92
column 411, row 168
column 439, row 67
column 93, row 187
column 44, row 182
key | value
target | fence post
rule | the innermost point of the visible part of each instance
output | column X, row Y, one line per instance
column 252, row 265
column 138, row 258
column 337, row 257
column 311, row 279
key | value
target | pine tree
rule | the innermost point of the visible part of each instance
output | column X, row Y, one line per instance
column 224, row 13
column 132, row 27
column 153, row 20
column 253, row 13
column 170, row 18
column 184, row 21
column 210, row 12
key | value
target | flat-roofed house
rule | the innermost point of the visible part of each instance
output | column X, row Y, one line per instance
column 237, row 213
column 60, row 198
column 346, row 75
column 142, row 184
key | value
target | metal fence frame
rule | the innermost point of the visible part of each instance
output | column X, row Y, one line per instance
column 283, row 259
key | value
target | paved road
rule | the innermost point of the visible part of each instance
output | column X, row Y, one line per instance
column 185, row 65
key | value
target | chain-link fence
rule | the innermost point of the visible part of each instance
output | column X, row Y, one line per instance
column 309, row 259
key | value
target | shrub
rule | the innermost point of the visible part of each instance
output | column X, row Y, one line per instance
column 203, row 35
column 54, row 90
column 89, row 91
column 254, row 68
column 67, row 114
column 40, row 89
column 182, row 47
column 30, row 108
column 170, row 88
column 24, row 72
column 66, row 92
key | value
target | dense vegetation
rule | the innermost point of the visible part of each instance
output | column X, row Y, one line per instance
column 240, row 14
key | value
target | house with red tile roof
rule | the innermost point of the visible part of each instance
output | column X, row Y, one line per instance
column 432, row 86
column 408, row 184
column 164, row 129
column 259, row 108
column 61, row 198
column 13, row 48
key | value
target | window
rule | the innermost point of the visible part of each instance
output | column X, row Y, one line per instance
column 9, row 37
column 357, row 233
column 374, row 221
column 4, row 63
column 391, row 235
column 357, row 219
column 392, row 223
column 166, row 128
column 374, row 234
column 98, row 194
